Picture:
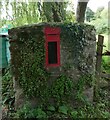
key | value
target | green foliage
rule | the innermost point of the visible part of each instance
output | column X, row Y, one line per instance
column 70, row 16
column 86, row 111
column 63, row 109
column 33, row 76
column 51, row 108
column 101, row 25
column 27, row 112
column 7, row 90
column 84, row 81
column 89, row 14
column 98, row 12
column 78, row 32
column 93, row 111
column 62, row 89
column 74, row 114
column 23, row 13
column 105, row 66
column 101, row 21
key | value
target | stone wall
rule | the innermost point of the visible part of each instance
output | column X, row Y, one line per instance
column 77, row 49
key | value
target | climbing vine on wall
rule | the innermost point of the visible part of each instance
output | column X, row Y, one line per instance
column 29, row 61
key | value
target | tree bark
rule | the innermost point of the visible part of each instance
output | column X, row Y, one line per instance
column 81, row 8
column 56, row 17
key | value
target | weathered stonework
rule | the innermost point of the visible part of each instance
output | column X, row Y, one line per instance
column 77, row 58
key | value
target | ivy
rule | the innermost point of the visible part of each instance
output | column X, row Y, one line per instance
column 29, row 59
column 62, row 89
column 83, row 82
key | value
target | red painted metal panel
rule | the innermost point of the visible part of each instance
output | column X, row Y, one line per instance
column 52, row 30
column 52, row 35
column 52, row 38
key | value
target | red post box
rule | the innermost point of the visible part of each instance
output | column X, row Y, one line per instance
column 52, row 46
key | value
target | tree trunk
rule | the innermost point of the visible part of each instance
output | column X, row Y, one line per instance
column 54, row 11
column 56, row 17
column 80, row 13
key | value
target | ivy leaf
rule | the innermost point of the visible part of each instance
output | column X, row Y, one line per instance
column 63, row 109
column 51, row 108
column 40, row 113
column 74, row 114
